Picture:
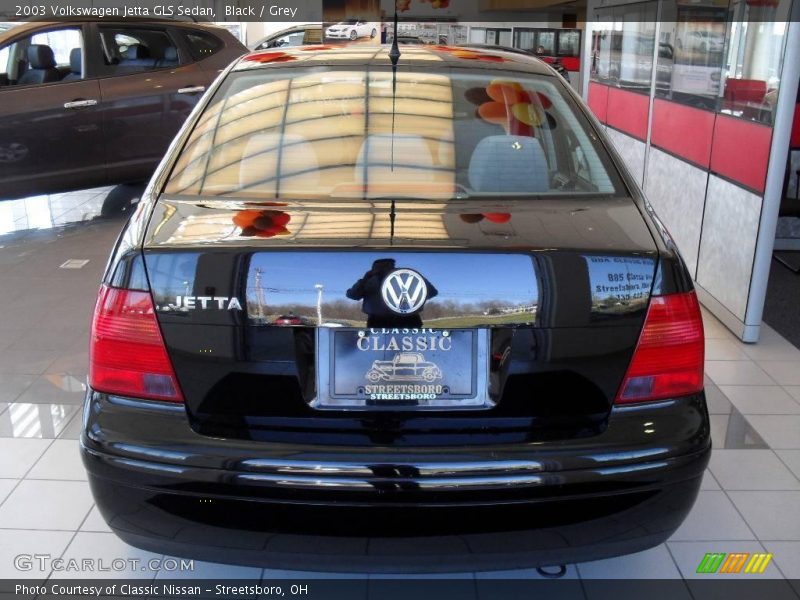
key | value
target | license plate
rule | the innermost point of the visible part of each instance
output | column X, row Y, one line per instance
column 402, row 367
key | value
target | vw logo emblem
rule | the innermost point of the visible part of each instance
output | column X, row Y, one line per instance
column 404, row 291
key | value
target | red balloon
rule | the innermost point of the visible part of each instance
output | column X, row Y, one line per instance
column 498, row 217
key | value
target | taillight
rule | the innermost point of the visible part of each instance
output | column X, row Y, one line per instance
column 668, row 361
column 127, row 355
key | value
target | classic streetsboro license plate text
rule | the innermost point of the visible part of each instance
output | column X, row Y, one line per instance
column 403, row 364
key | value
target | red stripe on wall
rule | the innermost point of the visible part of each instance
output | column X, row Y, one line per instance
column 571, row 63
column 683, row 131
column 740, row 151
column 598, row 100
column 795, row 140
column 627, row 111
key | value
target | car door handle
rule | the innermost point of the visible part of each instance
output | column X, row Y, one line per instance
column 195, row 89
column 79, row 103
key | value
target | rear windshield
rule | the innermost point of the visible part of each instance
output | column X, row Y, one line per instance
column 362, row 134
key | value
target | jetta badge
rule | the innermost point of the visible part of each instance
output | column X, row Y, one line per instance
column 404, row 291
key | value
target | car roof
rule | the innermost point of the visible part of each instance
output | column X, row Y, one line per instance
column 378, row 55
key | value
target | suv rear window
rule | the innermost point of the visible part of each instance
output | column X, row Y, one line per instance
column 201, row 44
column 339, row 133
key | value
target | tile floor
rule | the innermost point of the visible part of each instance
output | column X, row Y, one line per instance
column 749, row 500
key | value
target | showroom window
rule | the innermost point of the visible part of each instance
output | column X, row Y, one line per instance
column 129, row 50
column 491, row 36
column 548, row 42
column 623, row 43
column 569, row 42
column 752, row 71
column 691, row 52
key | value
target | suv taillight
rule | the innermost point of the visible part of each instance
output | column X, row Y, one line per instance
column 668, row 361
column 127, row 355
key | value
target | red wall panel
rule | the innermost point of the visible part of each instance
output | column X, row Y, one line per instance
column 683, row 131
column 571, row 63
column 795, row 140
column 740, row 151
column 627, row 111
column 598, row 100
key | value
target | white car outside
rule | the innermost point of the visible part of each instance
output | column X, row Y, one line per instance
column 351, row 29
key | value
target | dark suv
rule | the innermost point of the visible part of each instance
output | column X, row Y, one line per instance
column 84, row 104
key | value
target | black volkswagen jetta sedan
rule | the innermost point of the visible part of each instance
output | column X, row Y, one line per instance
column 412, row 316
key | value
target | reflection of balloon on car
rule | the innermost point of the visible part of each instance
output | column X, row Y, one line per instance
column 262, row 223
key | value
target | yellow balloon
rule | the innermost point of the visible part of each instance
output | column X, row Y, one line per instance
column 528, row 113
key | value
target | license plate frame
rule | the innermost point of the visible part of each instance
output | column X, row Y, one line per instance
column 339, row 390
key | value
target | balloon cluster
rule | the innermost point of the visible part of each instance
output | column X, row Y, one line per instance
column 269, row 57
column 508, row 104
column 478, row 217
column 404, row 5
column 262, row 223
column 470, row 54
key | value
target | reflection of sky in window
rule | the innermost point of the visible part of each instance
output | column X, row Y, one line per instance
column 461, row 278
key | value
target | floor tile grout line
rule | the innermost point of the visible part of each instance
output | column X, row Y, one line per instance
column 677, row 566
column 783, row 462
column 24, row 475
column 23, row 390
column 757, row 539
column 72, row 539
column 784, row 388
column 78, row 415
column 51, row 480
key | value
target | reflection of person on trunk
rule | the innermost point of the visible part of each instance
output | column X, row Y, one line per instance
column 368, row 290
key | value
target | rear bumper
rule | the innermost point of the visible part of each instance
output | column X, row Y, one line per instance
column 376, row 509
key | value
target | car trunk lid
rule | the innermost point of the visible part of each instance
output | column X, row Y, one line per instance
column 251, row 298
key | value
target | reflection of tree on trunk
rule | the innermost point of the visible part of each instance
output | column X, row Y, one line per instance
column 345, row 311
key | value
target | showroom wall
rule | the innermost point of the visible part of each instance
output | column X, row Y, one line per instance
column 693, row 98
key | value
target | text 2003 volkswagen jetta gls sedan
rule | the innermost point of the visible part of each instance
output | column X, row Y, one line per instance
column 412, row 318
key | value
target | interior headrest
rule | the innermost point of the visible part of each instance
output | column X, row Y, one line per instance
column 75, row 61
column 170, row 53
column 509, row 163
column 136, row 51
column 40, row 56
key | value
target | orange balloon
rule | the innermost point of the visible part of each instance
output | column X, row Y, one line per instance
column 494, row 112
column 245, row 218
column 491, row 58
column 468, row 54
column 507, row 93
